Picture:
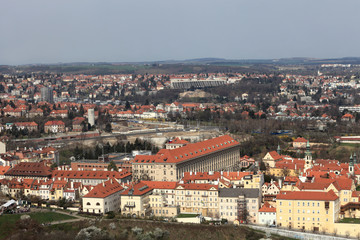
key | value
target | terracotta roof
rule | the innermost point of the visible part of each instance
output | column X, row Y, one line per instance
column 4, row 169
column 50, row 123
column 178, row 141
column 300, row 139
column 160, row 184
column 267, row 208
column 30, row 169
column 190, row 151
column 138, row 189
column 105, row 189
column 306, row 195
column 73, row 174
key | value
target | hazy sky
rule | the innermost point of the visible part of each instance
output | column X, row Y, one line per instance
column 43, row 31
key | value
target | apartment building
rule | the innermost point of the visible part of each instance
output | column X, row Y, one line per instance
column 103, row 198
column 239, row 204
column 135, row 201
column 198, row 198
column 307, row 210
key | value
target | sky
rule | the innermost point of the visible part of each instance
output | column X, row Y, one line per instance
column 46, row 32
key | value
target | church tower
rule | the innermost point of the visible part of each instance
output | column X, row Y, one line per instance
column 308, row 157
column 351, row 165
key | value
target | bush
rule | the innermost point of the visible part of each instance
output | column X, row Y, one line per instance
column 110, row 215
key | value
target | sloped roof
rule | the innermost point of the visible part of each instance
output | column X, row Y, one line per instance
column 307, row 195
column 105, row 189
column 189, row 151
column 37, row 169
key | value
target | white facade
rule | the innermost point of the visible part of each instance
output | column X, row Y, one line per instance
column 102, row 205
column 267, row 218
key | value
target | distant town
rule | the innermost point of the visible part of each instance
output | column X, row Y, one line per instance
column 270, row 151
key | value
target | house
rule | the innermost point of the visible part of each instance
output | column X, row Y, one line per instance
column 239, row 204
column 348, row 118
column 54, row 127
column 201, row 198
column 135, row 201
column 307, row 210
column 176, row 143
column 267, row 215
column 103, row 198
column 270, row 158
column 299, row 142
column 59, row 113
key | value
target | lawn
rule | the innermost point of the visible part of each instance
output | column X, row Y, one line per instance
column 350, row 220
column 7, row 221
column 183, row 215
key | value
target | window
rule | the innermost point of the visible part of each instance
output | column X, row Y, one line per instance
column 88, row 204
column 97, row 204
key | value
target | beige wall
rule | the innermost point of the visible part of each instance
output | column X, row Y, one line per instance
column 138, row 205
column 102, row 205
column 306, row 214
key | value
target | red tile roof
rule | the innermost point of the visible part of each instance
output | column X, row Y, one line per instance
column 267, row 208
column 300, row 139
column 138, row 189
column 73, row 174
column 160, row 184
column 306, row 195
column 189, row 151
column 36, row 169
column 105, row 189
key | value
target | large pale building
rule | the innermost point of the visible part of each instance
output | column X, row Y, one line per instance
column 170, row 164
column 307, row 210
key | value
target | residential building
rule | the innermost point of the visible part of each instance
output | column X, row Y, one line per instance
column 103, row 198
column 307, row 210
column 239, row 204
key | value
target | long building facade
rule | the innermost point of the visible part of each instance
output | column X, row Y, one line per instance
column 170, row 164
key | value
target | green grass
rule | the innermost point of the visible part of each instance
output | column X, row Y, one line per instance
column 183, row 215
column 7, row 221
column 350, row 220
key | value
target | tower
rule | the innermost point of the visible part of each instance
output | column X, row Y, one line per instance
column 91, row 116
column 278, row 149
column 308, row 157
column 351, row 164
column 47, row 94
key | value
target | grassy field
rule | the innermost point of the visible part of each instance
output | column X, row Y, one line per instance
column 350, row 220
column 7, row 221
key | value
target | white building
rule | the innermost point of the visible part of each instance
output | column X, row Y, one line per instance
column 103, row 198
column 267, row 215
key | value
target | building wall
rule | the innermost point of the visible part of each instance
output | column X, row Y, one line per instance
column 198, row 201
column 102, row 205
column 174, row 171
column 307, row 214
column 267, row 218
column 138, row 205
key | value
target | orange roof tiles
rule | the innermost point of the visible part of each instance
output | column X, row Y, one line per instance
column 189, row 151
column 105, row 189
column 305, row 195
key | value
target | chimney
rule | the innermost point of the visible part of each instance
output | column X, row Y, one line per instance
column 72, row 185
column 103, row 183
column 190, row 173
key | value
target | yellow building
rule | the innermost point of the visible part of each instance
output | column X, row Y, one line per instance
column 307, row 210
column 135, row 200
